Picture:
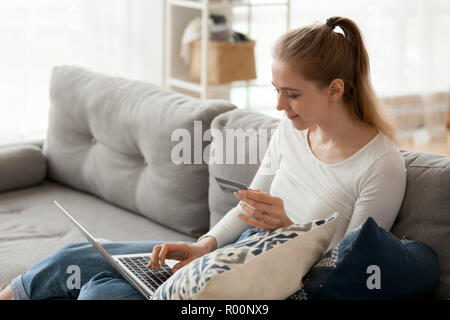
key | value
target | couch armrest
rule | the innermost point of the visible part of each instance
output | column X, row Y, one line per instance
column 21, row 166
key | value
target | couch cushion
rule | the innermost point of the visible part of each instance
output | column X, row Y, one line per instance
column 370, row 263
column 240, row 139
column 112, row 137
column 32, row 227
column 21, row 166
column 266, row 265
column 424, row 215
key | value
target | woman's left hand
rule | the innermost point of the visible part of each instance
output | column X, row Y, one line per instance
column 269, row 210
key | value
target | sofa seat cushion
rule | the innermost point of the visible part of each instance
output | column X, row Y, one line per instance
column 115, row 138
column 32, row 227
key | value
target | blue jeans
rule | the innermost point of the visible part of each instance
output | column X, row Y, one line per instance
column 52, row 277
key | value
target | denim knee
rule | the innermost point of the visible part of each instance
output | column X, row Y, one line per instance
column 104, row 286
column 48, row 278
column 67, row 252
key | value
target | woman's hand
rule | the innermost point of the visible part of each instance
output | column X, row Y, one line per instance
column 180, row 251
column 269, row 210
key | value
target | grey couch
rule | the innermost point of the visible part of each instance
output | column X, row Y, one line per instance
column 111, row 158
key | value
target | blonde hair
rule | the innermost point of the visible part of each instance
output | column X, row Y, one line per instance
column 320, row 54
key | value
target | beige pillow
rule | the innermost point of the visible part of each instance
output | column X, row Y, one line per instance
column 266, row 265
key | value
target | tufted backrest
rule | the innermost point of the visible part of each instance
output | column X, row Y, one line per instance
column 246, row 135
column 425, row 212
column 112, row 137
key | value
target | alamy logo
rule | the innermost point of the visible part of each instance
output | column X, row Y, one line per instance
column 229, row 147
column 74, row 280
column 374, row 280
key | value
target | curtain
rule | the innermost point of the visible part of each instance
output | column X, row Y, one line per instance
column 96, row 34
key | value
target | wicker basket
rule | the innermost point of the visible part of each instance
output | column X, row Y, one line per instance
column 227, row 61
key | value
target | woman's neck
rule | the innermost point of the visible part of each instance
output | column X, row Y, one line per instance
column 339, row 137
column 341, row 127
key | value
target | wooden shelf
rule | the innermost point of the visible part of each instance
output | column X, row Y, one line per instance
column 178, row 14
column 184, row 84
column 219, row 5
column 187, row 4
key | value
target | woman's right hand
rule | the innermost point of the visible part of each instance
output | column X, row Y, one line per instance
column 180, row 251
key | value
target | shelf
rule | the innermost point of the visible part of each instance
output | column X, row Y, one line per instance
column 194, row 86
column 185, row 84
column 265, row 4
column 219, row 5
column 178, row 14
column 187, row 4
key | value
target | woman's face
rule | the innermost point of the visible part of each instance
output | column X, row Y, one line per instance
column 304, row 103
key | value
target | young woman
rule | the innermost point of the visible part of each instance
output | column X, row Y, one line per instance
column 332, row 152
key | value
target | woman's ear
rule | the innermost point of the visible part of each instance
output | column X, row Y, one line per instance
column 336, row 89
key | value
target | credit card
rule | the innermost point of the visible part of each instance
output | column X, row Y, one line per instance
column 230, row 186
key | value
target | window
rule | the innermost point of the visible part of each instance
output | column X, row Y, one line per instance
column 40, row 34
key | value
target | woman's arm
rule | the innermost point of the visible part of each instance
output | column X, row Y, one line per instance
column 230, row 226
column 381, row 192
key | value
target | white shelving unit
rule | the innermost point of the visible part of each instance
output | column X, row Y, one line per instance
column 178, row 13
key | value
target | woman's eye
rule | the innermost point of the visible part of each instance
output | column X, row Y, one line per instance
column 291, row 96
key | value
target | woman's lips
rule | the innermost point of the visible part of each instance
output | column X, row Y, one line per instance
column 292, row 116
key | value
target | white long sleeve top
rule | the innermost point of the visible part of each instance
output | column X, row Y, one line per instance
column 371, row 182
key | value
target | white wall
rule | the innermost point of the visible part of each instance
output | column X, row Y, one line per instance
column 147, row 40
column 117, row 37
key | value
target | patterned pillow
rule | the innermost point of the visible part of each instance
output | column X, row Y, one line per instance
column 371, row 263
column 266, row 265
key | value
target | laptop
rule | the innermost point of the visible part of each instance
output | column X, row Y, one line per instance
column 132, row 267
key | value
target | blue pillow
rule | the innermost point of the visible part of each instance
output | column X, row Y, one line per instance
column 371, row 263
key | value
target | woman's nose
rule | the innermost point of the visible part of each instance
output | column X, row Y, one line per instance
column 281, row 104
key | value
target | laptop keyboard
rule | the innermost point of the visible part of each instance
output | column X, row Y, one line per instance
column 151, row 278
